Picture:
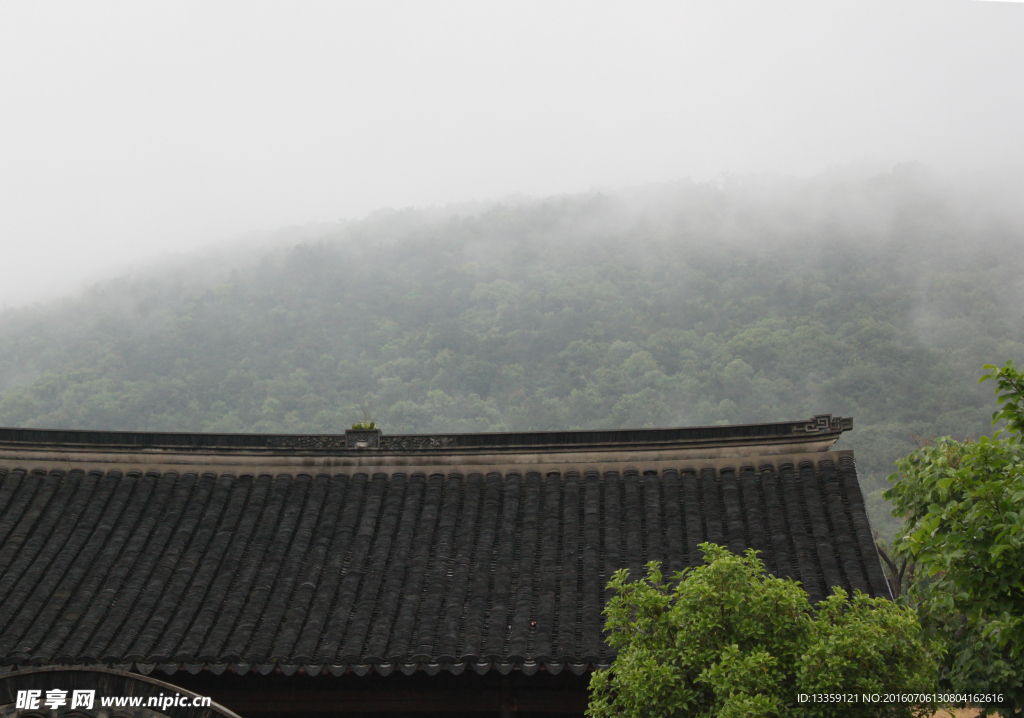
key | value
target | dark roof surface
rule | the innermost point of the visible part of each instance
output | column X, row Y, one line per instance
column 389, row 570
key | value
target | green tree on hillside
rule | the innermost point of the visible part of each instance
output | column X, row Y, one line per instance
column 963, row 503
column 726, row 640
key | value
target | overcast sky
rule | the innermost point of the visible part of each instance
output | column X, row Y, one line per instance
column 128, row 130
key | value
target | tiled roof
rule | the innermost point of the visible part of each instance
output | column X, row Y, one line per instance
column 388, row 568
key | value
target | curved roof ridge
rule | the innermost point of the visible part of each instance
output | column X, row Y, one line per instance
column 813, row 430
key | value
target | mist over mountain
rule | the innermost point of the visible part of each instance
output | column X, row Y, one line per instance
column 745, row 300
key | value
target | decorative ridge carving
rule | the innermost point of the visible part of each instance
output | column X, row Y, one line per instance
column 824, row 424
column 306, row 442
column 361, row 439
column 416, row 442
column 373, row 439
column 356, row 439
column 351, row 439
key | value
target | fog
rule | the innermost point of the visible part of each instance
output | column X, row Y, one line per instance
column 129, row 131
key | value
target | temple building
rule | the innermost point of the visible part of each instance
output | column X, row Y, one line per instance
column 373, row 574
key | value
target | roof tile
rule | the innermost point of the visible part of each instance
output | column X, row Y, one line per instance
column 389, row 569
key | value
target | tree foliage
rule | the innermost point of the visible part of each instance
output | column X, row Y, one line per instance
column 963, row 503
column 726, row 639
column 1009, row 396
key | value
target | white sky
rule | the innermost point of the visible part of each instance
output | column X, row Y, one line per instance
column 128, row 130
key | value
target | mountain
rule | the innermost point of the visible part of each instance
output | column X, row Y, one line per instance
column 746, row 300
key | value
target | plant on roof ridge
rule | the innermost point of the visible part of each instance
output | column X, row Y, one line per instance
column 367, row 424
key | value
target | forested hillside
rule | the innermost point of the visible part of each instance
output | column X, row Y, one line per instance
column 754, row 300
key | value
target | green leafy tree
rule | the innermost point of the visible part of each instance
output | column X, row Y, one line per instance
column 963, row 503
column 1009, row 396
column 726, row 639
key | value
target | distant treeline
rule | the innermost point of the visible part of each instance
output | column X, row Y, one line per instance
column 678, row 305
